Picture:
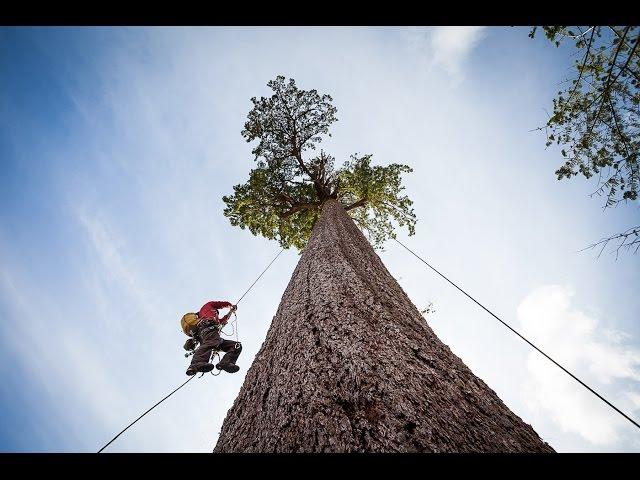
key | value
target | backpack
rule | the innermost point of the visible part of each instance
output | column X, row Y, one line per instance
column 189, row 320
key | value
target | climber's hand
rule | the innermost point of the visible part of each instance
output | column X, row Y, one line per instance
column 190, row 344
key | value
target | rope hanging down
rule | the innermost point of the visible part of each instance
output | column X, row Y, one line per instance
column 523, row 338
column 131, row 424
column 192, row 377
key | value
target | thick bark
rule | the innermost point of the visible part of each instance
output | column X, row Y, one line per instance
column 350, row 365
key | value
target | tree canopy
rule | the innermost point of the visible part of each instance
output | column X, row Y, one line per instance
column 283, row 196
column 596, row 115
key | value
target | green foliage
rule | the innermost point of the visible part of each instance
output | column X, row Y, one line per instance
column 380, row 187
column 259, row 206
column 596, row 114
column 284, row 194
column 288, row 123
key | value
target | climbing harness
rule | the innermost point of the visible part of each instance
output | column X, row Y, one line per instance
column 522, row 337
column 214, row 352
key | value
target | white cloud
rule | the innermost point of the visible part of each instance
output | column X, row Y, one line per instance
column 575, row 340
column 446, row 47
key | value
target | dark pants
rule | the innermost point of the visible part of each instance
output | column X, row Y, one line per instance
column 210, row 340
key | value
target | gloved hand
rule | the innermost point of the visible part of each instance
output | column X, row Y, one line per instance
column 190, row 344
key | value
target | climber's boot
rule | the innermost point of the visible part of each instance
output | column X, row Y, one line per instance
column 203, row 367
column 227, row 366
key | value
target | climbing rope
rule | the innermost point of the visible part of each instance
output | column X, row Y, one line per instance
column 222, row 332
column 215, row 352
column 523, row 338
column 132, row 423
column 260, row 276
column 234, row 324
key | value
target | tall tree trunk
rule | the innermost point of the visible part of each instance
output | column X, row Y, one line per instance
column 350, row 365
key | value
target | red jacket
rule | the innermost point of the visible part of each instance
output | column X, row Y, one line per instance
column 209, row 310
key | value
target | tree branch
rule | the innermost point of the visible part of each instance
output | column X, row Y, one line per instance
column 620, row 37
column 299, row 207
column 584, row 62
column 608, row 83
column 357, row 204
column 626, row 240
column 625, row 66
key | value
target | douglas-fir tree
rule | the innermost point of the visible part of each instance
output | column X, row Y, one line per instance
column 349, row 363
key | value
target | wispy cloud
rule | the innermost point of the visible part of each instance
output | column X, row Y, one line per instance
column 73, row 375
column 116, row 267
column 548, row 317
column 446, row 47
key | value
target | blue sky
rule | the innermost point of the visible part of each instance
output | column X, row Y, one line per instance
column 117, row 144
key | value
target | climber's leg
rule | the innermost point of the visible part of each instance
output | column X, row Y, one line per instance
column 228, row 362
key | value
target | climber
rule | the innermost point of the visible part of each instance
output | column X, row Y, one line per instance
column 204, row 328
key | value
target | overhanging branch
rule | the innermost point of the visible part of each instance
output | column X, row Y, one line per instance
column 299, row 207
column 357, row 204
